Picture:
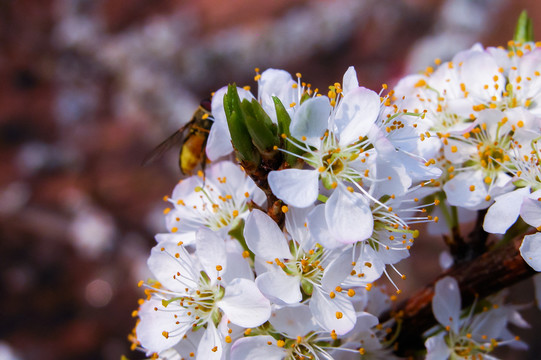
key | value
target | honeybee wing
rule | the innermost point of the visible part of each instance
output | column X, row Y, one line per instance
column 174, row 140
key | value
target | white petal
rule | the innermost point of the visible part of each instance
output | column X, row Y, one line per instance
column 153, row 323
column 478, row 70
column 326, row 310
column 297, row 227
column 237, row 267
column 338, row 270
column 244, row 304
column 531, row 250
column 348, row 216
column 294, row 320
column 275, row 82
column 504, row 212
column 295, row 187
column 356, row 114
column 350, row 82
column 219, row 141
column 257, row 348
column 264, row 237
column 317, row 223
column 210, row 347
column 311, row 119
column 279, row 287
column 458, row 190
column 446, row 303
column 210, row 249
column 530, row 212
column 186, row 238
column 168, row 258
column 437, row 348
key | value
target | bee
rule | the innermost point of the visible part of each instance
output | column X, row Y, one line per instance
column 192, row 137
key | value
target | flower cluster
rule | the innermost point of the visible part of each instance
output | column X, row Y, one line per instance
column 274, row 255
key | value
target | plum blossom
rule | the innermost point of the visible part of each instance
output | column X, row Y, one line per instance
column 217, row 202
column 195, row 291
column 292, row 269
column 467, row 334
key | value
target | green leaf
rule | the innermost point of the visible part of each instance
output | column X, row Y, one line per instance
column 262, row 136
column 262, row 116
column 240, row 136
column 284, row 121
column 524, row 29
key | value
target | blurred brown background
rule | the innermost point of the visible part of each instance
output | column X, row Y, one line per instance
column 88, row 87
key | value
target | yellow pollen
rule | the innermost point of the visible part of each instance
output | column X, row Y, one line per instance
column 339, row 315
column 285, row 209
column 219, row 268
column 165, row 334
column 174, row 229
column 472, row 187
column 332, row 295
column 351, row 292
column 166, row 211
column 228, row 339
column 235, row 213
column 280, row 343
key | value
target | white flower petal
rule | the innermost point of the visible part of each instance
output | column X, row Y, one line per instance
column 264, row 237
column 168, row 258
column 356, row 113
column 333, row 314
column 237, row 267
column 261, row 347
column 279, row 287
column 317, row 224
column 446, row 303
column 531, row 250
column 436, row 348
column 210, row 249
column 480, row 69
column 150, row 329
column 219, row 141
column 504, row 212
column 244, row 304
column 349, row 81
column 339, row 269
column 459, row 190
column 275, row 82
column 210, row 347
column 348, row 216
column 311, row 119
column 530, row 212
column 185, row 238
column 294, row 320
column 295, row 187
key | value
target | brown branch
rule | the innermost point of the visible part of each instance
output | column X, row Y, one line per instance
column 485, row 275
